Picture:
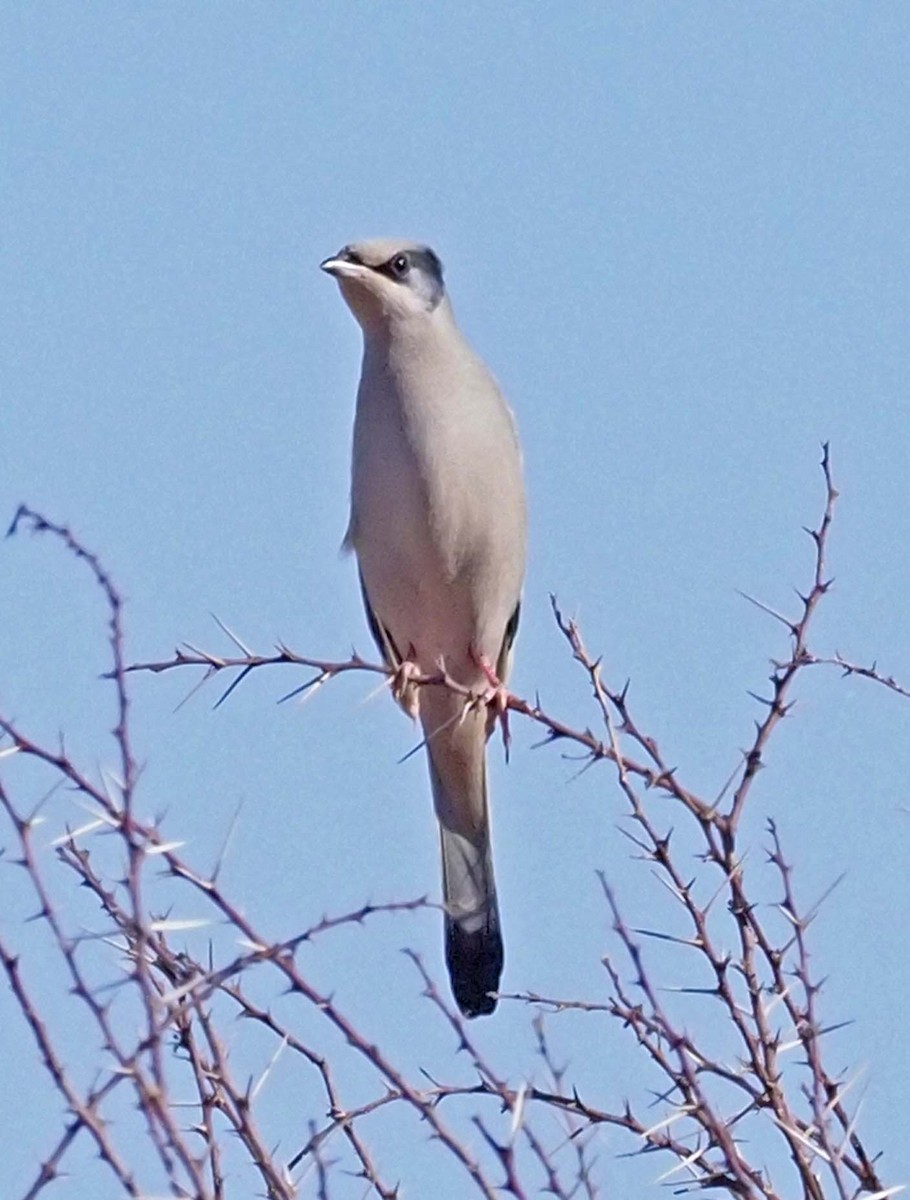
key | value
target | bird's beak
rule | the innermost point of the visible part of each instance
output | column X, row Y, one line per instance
column 341, row 268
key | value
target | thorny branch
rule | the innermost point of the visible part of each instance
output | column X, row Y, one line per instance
column 712, row 1100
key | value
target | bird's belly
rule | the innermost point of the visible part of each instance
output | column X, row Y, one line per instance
column 416, row 595
column 441, row 576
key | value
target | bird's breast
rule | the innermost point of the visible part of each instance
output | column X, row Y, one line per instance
column 437, row 509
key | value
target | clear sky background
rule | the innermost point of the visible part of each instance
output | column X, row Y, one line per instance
column 679, row 235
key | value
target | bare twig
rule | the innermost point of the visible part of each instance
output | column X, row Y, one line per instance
column 720, row 1097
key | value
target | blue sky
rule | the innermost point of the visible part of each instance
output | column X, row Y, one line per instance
column 678, row 233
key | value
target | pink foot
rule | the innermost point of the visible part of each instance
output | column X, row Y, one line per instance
column 496, row 698
column 404, row 689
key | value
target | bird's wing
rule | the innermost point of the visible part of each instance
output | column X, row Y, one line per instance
column 381, row 636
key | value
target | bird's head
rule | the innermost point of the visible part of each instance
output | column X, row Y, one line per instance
column 387, row 280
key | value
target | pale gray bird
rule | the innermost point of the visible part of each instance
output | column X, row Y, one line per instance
column 438, row 527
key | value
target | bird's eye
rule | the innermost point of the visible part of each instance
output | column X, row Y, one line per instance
column 400, row 265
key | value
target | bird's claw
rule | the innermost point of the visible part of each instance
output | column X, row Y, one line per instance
column 496, row 699
column 403, row 687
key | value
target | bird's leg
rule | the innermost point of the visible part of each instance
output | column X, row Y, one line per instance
column 496, row 698
column 405, row 691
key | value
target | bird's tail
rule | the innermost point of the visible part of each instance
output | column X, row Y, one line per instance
column 473, row 944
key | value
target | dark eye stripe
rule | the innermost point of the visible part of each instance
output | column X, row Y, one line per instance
column 396, row 267
column 428, row 261
column 422, row 259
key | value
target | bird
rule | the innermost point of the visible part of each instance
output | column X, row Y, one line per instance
column 438, row 525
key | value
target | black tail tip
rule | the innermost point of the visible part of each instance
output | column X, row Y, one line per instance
column 475, row 965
